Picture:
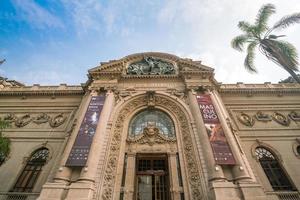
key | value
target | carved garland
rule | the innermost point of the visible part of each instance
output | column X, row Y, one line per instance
column 21, row 121
column 194, row 176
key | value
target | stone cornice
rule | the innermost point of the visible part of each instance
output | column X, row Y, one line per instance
column 42, row 90
column 266, row 88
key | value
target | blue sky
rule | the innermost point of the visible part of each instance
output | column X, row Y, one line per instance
column 51, row 42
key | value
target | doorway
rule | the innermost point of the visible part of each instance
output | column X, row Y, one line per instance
column 152, row 178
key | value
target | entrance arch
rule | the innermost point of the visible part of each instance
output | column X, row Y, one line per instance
column 194, row 183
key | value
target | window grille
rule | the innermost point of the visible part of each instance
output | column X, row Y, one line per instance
column 273, row 170
column 31, row 171
column 154, row 117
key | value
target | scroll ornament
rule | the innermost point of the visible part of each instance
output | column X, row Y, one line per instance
column 21, row 121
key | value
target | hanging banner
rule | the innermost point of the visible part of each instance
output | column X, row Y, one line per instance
column 221, row 150
column 81, row 147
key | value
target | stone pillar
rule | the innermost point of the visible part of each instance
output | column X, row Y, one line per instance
column 174, row 181
column 57, row 189
column 215, row 172
column 240, row 171
column 130, row 176
column 84, row 188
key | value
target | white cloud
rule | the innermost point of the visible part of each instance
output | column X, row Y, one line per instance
column 85, row 14
column 36, row 15
column 209, row 26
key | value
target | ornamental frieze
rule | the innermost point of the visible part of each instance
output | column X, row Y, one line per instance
column 248, row 118
column 42, row 118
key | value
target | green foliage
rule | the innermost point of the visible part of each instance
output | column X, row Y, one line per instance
column 259, row 35
column 4, row 142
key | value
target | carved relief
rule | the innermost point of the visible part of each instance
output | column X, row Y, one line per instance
column 151, row 66
column 195, row 178
column 151, row 135
column 246, row 119
column 177, row 93
column 260, row 116
column 281, row 119
column 57, row 120
column 25, row 119
column 294, row 116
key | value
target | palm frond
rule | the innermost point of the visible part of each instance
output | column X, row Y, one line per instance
column 287, row 21
column 239, row 41
column 249, row 60
column 246, row 27
column 262, row 17
column 281, row 52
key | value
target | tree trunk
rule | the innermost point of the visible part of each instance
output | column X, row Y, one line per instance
column 272, row 52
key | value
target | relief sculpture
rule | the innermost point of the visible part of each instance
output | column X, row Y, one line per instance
column 25, row 119
column 151, row 66
column 151, row 135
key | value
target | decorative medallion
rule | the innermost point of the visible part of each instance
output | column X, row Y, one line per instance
column 151, row 135
column 260, row 116
column 246, row 119
column 151, row 66
column 294, row 116
column 281, row 119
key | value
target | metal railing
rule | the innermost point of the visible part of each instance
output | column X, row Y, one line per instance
column 283, row 195
column 18, row 196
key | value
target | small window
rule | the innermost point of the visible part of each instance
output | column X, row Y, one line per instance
column 31, row 171
column 273, row 170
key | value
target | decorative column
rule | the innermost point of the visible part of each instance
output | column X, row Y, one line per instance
column 215, row 172
column 240, row 171
column 130, row 176
column 175, row 188
column 85, row 187
column 55, row 190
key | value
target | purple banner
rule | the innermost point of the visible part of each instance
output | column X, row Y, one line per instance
column 221, row 150
column 81, row 147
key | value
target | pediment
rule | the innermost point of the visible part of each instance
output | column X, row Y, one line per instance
column 151, row 63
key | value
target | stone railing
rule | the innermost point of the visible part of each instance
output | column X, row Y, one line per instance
column 18, row 196
column 283, row 195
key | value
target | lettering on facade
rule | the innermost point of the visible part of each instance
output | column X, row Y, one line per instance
column 221, row 150
column 81, row 147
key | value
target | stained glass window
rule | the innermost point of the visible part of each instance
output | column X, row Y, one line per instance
column 31, row 171
column 273, row 170
column 154, row 117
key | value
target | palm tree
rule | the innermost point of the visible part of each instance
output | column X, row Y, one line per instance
column 261, row 35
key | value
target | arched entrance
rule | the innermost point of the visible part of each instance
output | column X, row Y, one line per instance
column 153, row 164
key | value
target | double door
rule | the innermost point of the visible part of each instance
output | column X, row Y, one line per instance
column 152, row 177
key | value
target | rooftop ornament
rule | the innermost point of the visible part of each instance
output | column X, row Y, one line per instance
column 151, row 66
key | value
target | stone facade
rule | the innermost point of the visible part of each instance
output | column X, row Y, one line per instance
column 251, row 115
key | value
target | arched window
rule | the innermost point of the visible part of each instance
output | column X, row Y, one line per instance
column 31, row 171
column 273, row 170
column 154, row 117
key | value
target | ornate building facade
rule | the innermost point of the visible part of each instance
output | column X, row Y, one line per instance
column 151, row 126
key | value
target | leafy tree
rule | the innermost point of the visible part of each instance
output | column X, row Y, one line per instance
column 260, row 35
column 4, row 142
